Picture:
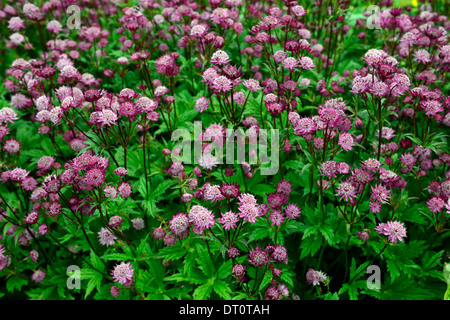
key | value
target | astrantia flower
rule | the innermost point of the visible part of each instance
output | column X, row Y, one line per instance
column 346, row 141
column 115, row 221
column 272, row 293
column 252, row 85
column 380, row 193
column 436, row 204
column 45, row 162
column 306, row 63
column 120, row 171
column 298, row 10
column 347, row 191
column 374, row 56
column 408, row 159
column 276, row 200
column 229, row 220
column 422, row 56
column 247, row 198
column 179, row 223
column 209, row 75
column 279, row 56
column 198, row 31
column 393, row 229
column 201, row 104
column 201, row 217
column 95, row 177
column 292, row 211
column 115, row 291
column 315, row 277
column 371, row 164
column 123, row 273
column 221, row 84
column 54, row 26
column 258, row 257
column 431, row 107
column 138, row 223
column 238, row 270
column 220, row 57
column 29, row 184
column 249, row 212
column 279, row 253
column 230, row 191
column 16, row 24
column 207, row 161
column 158, row 233
column 212, row 192
column 329, row 169
column 107, row 117
column 304, row 126
column 233, row 252
column 38, row 276
column 276, row 217
column 379, row 88
column 12, row 146
column 32, row 217
column 284, row 187
column 170, row 239
column 8, row 115
column 124, row 190
column 290, row 63
column 106, row 238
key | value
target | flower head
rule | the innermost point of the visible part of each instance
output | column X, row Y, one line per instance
column 123, row 273
column 393, row 229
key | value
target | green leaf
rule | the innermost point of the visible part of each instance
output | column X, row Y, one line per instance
column 96, row 262
column 293, row 164
column 95, row 282
column 310, row 246
column 15, row 283
column 328, row 233
column 258, row 234
column 222, row 289
column 116, row 256
column 351, row 289
column 225, row 269
column 172, row 253
column 161, row 188
column 203, row 292
column 204, row 261
column 262, row 189
column 355, row 274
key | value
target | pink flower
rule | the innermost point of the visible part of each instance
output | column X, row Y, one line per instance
column 8, row 115
column 229, row 220
column 16, row 24
column 393, row 229
column 258, row 257
column 201, row 104
column 54, row 26
column 347, row 191
column 107, row 117
column 315, row 277
column 179, row 223
column 252, row 85
column 220, row 57
column 306, row 63
column 106, row 238
column 212, row 192
column 221, row 84
column 207, row 161
column 201, row 217
column 123, row 273
column 436, row 204
column 346, row 141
